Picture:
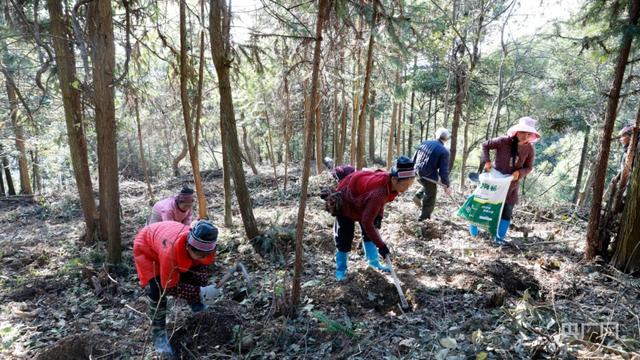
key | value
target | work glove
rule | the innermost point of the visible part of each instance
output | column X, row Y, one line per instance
column 384, row 251
column 208, row 294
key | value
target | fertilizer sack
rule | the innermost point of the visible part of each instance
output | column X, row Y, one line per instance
column 484, row 207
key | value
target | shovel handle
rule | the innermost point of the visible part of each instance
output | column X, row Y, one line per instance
column 396, row 282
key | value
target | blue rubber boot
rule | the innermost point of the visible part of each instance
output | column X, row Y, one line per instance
column 473, row 230
column 503, row 227
column 162, row 346
column 371, row 252
column 341, row 265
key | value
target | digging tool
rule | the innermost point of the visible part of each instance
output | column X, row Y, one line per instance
column 438, row 183
column 396, row 282
column 474, row 177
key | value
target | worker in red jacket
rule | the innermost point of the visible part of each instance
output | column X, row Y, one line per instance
column 172, row 259
column 364, row 194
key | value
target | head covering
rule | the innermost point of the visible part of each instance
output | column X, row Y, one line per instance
column 626, row 131
column 203, row 236
column 403, row 169
column 443, row 134
column 341, row 172
column 185, row 196
column 525, row 124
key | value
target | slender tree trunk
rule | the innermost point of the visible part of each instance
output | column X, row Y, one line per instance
column 465, row 151
column 23, row 165
column 392, row 130
column 271, row 153
column 219, row 26
column 287, row 132
column 362, row 123
column 343, row 133
column 411, row 114
column 297, row 274
column 356, row 95
column 399, row 128
column 141, row 150
column 583, row 161
column 247, row 150
column 319, row 135
column 461, row 79
column 186, row 112
column 176, row 161
column 2, row 191
column 7, row 172
column 372, row 128
column 594, row 247
column 100, row 31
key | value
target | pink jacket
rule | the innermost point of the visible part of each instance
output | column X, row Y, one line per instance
column 168, row 210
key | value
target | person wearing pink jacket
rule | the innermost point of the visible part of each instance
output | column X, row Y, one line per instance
column 175, row 208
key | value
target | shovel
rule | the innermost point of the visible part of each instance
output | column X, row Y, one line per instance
column 396, row 282
column 234, row 268
column 474, row 177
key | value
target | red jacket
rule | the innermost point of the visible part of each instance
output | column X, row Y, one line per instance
column 160, row 249
column 364, row 194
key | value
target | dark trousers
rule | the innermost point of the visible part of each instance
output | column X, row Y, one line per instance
column 343, row 232
column 507, row 212
column 428, row 195
column 158, row 306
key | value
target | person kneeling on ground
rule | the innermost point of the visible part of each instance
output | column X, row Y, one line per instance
column 172, row 259
column 364, row 194
column 175, row 208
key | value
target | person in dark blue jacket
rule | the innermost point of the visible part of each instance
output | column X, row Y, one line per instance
column 432, row 166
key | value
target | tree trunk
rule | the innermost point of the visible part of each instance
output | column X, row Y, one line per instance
column 186, row 113
column 7, row 172
column 179, row 157
column 411, row 114
column 594, row 246
column 143, row 162
column 356, row 96
column 362, row 122
column 297, row 274
column 399, row 129
column 2, row 191
column 219, row 25
column 226, row 174
column 343, row 133
column 392, row 128
column 247, row 150
column 23, row 165
column 583, row 161
column 318, row 137
column 271, row 153
column 627, row 253
column 461, row 79
column 100, row 28
column 287, row 132
column 372, row 128
column 465, row 150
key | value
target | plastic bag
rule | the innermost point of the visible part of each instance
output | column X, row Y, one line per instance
column 484, row 207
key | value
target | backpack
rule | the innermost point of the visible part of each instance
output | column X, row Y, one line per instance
column 331, row 196
column 332, row 200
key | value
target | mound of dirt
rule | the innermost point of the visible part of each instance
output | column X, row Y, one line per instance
column 78, row 347
column 200, row 333
column 363, row 289
column 513, row 277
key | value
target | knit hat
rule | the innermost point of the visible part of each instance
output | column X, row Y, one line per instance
column 185, row 196
column 403, row 169
column 525, row 124
column 203, row 236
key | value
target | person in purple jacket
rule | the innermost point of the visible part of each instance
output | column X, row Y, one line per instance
column 175, row 208
column 515, row 155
